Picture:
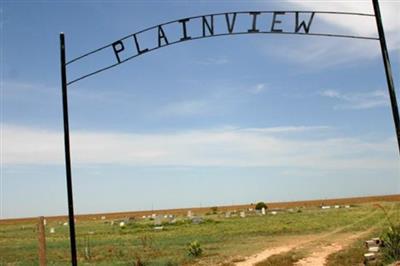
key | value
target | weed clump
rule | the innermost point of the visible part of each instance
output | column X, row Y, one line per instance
column 194, row 249
column 391, row 239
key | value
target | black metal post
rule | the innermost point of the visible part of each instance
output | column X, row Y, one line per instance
column 67, row 152
column 388, row 70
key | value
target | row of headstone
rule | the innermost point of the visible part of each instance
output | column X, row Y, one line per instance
column 373, row 245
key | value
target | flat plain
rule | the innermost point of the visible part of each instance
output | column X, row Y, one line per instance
column 293, row 234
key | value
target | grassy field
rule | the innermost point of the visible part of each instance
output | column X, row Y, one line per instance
column 224, row 240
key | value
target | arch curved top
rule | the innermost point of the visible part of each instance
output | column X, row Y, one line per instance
column 212, row 25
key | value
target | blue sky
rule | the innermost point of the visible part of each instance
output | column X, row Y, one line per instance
column 223, row 120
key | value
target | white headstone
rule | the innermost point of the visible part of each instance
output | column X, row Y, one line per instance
column 189, row 214
column 122, row 224
column 273, row 212
column 373, row 249
column 197, row 220
column 158, row 220
column 227, row 214
column 263, row 211
column 65, row 224
column 44, row 222
column 242, row 214
column 103, row 217
column 52, row 230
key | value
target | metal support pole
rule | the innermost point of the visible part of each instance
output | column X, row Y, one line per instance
column 42, row 241
column 67, row 152
column 388, row 70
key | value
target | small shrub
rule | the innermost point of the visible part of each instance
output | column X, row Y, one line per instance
column 139, row 262
column 146, row 241
column 391, row 240
column 214, row 209
column 261, row 205
column 194, row 249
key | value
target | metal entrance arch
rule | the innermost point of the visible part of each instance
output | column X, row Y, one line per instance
column 206, row 22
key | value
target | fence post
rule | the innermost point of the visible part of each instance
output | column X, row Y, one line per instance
column 42, row 241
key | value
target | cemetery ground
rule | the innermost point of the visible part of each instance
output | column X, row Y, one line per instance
column 299, row 235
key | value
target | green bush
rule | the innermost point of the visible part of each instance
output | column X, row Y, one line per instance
column 194, row 249
column 261, row 205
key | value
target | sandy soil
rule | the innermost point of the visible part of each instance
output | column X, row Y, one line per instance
column 321, row 253
column 264, row 255
column 319, row 257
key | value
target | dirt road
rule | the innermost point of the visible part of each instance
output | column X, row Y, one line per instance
column 322, row 244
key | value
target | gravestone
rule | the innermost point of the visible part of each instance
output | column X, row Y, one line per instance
column 263, row 211
column 158, row 220
column 197, row 220
column 242, row 214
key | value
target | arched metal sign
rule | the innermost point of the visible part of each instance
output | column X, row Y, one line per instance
column 205, row 26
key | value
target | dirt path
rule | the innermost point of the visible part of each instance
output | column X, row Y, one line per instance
column 324, row 250
column 265, row 255
column 319, row 257
column 316, row 258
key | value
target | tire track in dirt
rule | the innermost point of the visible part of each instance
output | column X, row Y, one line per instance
column 265, row 254
column 320, row 257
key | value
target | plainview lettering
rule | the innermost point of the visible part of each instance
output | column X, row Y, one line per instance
column 133, row 45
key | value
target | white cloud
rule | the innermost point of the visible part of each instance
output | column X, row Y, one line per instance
column 352, row 23
column 259, row 88
column 208, row 147
column 184, row 108
column 325, row 51
column 360, row 100
column 214, row 61
column 291, row 129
